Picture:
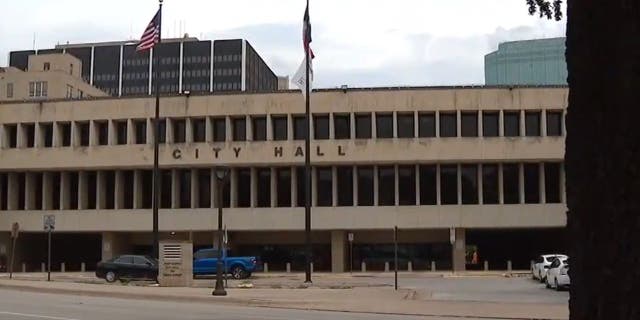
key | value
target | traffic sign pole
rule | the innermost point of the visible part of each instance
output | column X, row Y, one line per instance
column 15, row 230
column 49, row 256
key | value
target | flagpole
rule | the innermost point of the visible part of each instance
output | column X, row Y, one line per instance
column 307, row 165
column 156, row 126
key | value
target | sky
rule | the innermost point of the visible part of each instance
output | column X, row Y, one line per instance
column 357, row 42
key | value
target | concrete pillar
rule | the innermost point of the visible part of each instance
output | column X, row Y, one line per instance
column 500, row 184
column 12, row 191
column 386, row 266
column 294, row 187
column 355, row 183
column 563, row 189
column 363, row 266
column 208, row 130
column 352, row 125
column 249, row 127
column 459, row 183
column 338, row 252
column 396, row 184
column 137, row 189
column 29, row 191
column 119, row 190
column 269, row 127
column 189, row 130
column 459, row 250
column 438, row 187
column 541, row 183
column 486, row 265
column 265, row 268
column 100, row 190
column 175, row 189
column 394, row 124
column 437, row 115
column 195, row 194
column 47, row 192
column 509, row 268
column 522, row 123
column 24, row 267
column 458, row 123
column 288, row 267
column 111, row 133
column 543, row 122
column 274, row 188
column 334, row 186
column 62, row 267
column 43, row 267
column 254, row 187
column 113, row 244
column 64, row 191
column 433, row 266
column 83, row 194
column 233, row 181
column 501, row 123
column 214, row 188
column 375, row 185
column 521, row 182
column 83, row 267
column 410, row 266
column 480, row 186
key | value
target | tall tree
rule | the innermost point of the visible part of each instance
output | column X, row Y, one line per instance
column 602, row 155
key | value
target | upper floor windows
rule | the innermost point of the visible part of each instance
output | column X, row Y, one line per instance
column 554, row 123
column 448, row 125
column 321, row 127
column 511, row 123
column 384, row 125
column 38, row 89
column 279, row 126
column 405, row 125
column 341, row 126
column 363, row 126
column 469, row 124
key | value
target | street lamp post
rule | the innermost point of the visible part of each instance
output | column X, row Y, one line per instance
column 222, row 174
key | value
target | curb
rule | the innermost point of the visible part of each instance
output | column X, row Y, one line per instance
column 241, row 302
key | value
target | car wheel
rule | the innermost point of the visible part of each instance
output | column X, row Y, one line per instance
column 111, row 276
column 238, row 272
column 546, row 283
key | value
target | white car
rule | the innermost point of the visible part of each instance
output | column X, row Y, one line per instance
column 541, row 264
column 558, row 274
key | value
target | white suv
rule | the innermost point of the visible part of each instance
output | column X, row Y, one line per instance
column 558, row 274
column 541, row 265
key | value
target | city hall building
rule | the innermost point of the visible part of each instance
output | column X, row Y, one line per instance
column 457, row 169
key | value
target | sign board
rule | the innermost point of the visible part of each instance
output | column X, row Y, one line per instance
column 15, row 230
column 350, row 236
column 175, row 267
column 49, row 222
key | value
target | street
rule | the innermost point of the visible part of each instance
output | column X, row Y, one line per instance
column 21, row 305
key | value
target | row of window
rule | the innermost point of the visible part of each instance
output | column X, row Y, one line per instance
column 38, row 88
column 386, row 185
column 186, row 60
column 405, row 128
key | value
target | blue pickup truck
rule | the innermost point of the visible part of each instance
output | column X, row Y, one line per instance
column 206, row 260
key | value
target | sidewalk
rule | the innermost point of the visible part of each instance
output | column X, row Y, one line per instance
column 382, row 300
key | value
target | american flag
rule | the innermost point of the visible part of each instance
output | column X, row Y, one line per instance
column 151, row 35
column 306, row 33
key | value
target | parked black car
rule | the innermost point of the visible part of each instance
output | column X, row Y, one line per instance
column 130, row 267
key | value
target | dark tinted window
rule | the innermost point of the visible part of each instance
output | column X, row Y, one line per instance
column 243, row 188
column 219, row 129
column 511, row 124
column 342, row 126
column 121, row 131
column 324, row 188
column 490, row 187
column 147, row 188
column 407, row 185
column 299, row 128
column 29, row 131
column 283, row 184
column 428, row 185
column 47, row 134
column 365, row 186
column 320, row 127
column 448, row 125
column 162, row 130
column 449, row 184
column 72, row 178
column 109, row 189
column 264, row 187
column 511, row 183
column 531, row 183
column 140, row 128
column 426, row 125
column 91, row 189
column 204, row 188
column 469, row 124
column 199, row 130
column 140, row 261
column 102, row 129
column 554, row 123
column 490, row 124
column 259, row 128
column 386, row 186
column 345, row 186
column 184, row 179
column 280, row 130
column 165, row 189
column 65, row 134
column 363, row 126
column 469, row 180
column 384, row 125
column 55, row 187
column 300, row 186
column 124, row 259
column 83, row 131
column 406, row 125
column 11, row 131
column 239, row 129
column 179, row 130
column 532, row 124
column 127, row 188
column 552, row 182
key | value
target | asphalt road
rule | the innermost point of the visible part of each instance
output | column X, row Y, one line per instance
column 21, row 305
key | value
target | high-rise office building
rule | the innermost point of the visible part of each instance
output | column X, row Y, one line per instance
column 186, row 64
column 528, row 62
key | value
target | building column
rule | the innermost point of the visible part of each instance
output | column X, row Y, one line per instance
column 375, row 186
column 83, row 194
column 114, row 244
column 233, row 180
column 541, row 183
column 188, row 127
column 500, row 184
column 253, row 201
column 355, row 185
column 438, row 186
column 458, row 250
column 501, row 123
column 29, row 191
column 175, row 189
column 523, row 130
column 12, row 191
column 417, row 172
column 352, row 125
column 208, row 129
column 274, row 187
column 543, row 123
column 195, row 188
column 480, row 186
column 100, row 190
column 521, row 182
column 396, row 185
column 269, row 127
column 47, row 193
column 137, row 189
column 93, row 133
column 119, row 190
column 38, row 136
column 294, row 187
column 111, row 133
column 334, row 186
column 64, row 191
column 563, row 187
column 131, row 132
column 338, row 252
column 459, row 182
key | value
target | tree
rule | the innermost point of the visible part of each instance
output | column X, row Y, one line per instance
column 602, row 155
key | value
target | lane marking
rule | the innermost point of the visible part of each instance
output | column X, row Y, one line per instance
column 27, row 315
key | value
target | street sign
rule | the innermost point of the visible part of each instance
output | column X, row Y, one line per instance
column 350, row 236
column 15, row 230
column 49, row 222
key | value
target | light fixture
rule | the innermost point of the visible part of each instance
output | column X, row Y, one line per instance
column 222, row 172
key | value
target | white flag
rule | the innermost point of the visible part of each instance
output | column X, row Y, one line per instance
column 300, row 78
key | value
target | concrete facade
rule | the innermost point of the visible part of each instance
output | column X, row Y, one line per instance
column 100, row 185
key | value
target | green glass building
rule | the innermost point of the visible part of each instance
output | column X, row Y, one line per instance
column 528, row 62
